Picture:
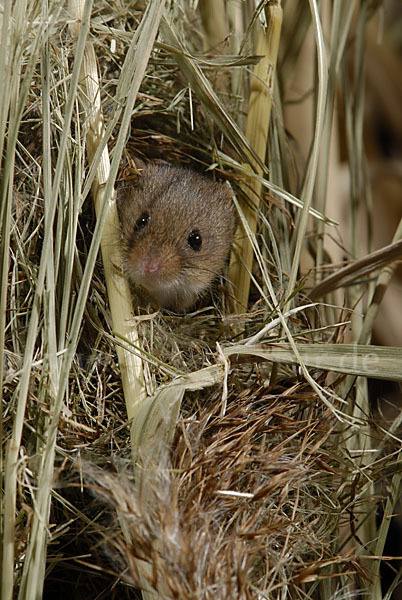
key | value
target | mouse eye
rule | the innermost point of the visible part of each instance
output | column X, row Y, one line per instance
column 195, row 240
column 142, row 221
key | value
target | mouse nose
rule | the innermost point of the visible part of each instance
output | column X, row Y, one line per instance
column 151, row 264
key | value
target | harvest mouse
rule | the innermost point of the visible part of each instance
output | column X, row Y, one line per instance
column 177, row 229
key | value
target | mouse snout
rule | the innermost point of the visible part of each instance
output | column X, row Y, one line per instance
column 153, row 268
column 150, row 264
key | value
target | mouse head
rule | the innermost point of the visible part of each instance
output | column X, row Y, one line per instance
column 177, row 229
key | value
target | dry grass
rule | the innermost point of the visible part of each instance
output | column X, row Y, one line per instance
column 262, row 466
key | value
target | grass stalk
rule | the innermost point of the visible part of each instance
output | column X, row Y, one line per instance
column 117, row 285
column 259, row 111
column 17, row 33
column 311, row 170
column 118, row 289
column 201, row 86
column 5, row 219
column 328, row 130
column 393, row 497
column 214, row 23
column 33, row 572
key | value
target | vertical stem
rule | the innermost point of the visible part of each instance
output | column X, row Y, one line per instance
column 311, row 172
column 259, row 112
column 214, row 22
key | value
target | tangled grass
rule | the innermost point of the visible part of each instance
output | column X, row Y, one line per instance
column 232, row 452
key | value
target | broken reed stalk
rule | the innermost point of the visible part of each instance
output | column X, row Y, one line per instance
column 117, row 286
column 259, row 112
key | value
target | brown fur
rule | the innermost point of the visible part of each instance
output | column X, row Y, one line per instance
column 177, row 201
